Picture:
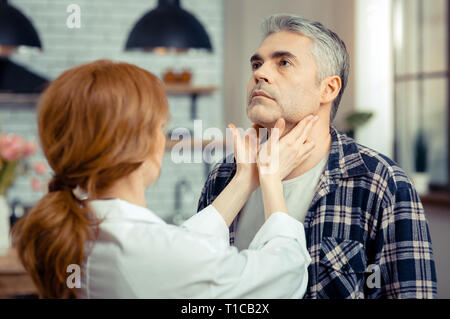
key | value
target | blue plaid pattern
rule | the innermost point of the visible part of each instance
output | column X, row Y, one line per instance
column 366, row 229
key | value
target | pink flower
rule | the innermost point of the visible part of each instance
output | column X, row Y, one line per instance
column 36, row 185
column 13, row 147
column 7, row 154
column 5, row 147
column 12, row 151
column 4, row 140
column 40, row 168
column 30, row 148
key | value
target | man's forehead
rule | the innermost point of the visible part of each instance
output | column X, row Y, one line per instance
column 288, row 41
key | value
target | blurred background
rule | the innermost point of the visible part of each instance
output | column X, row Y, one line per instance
column 396, row 101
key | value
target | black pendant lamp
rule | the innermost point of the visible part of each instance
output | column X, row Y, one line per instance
column 167, row 27
column 15, row 29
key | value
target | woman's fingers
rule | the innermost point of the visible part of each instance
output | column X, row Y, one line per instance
column 253, row 143
column 271, row 143
column 297, row 131
column 307, row 130
column 308, row 151
column 307, row 148
column 280, row 124
column 257, row 127
column 246, row 147
column 236, row 142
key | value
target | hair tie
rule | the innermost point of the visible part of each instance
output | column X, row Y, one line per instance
column 59, row 183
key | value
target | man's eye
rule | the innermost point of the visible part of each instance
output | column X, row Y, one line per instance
column 285, row 63
column 255, row 65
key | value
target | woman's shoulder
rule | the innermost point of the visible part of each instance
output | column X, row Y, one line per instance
column 133, row 228
column 113, row 210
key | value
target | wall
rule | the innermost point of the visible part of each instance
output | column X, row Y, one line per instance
column 374, row 74
column 439, row 224
column 242, row 38
column 105, row 25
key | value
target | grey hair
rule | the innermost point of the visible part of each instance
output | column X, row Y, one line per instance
column 329, row 50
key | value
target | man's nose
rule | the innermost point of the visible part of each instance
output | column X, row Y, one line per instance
column 262, row 74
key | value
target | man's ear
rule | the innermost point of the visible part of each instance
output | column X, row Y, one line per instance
column 330, row 88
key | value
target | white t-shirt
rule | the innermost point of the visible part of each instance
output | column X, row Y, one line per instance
column 138, row 255
column 298, row 193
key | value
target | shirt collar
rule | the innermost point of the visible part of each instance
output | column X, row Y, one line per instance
column 344, row 160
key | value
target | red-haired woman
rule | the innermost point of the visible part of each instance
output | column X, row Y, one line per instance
column 101, row 130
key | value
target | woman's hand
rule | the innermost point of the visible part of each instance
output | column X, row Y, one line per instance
column 233, row 197
column 245, row 153
column 277, row 158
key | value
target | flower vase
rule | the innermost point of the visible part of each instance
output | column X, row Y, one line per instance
column 4, row 226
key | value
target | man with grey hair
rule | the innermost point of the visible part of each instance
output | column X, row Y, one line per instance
column 365, row 226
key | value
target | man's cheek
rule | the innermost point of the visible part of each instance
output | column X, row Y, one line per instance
column 293, row 116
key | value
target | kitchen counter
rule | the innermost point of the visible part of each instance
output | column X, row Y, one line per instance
column 14, row 280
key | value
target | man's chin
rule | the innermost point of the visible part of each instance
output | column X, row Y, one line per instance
column 265, row 124
column 263, row 116
column 270, row 125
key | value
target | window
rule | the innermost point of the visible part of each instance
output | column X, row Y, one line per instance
column 421, row 84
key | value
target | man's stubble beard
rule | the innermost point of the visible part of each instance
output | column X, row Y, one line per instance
column 266, row 115
column 262, row 117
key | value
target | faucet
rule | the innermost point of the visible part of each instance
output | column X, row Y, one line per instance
column 179, row 186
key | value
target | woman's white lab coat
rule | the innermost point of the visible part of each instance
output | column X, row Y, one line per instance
column 138, row 255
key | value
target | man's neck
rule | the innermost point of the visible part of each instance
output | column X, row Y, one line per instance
column 322, row 138
column 320, row 135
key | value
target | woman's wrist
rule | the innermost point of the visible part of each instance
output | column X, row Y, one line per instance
column 246, row 181
column 272, row 192
column 269, row 178
column 233, row 197
column 271, row 183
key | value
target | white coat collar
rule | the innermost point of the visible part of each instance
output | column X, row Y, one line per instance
column 120, row 209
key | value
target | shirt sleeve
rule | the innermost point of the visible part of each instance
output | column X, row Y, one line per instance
column 181, row 263
column 209, row 222
column 275, row 227
column 406, row 263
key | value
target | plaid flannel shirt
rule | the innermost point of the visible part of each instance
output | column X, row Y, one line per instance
column 366, row 230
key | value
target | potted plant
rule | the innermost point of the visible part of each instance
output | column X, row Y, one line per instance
column 13, row 151
column 355, row 120
column 420, row 177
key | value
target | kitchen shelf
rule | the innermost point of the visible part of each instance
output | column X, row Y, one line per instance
column 19, row 98
column 182, row 89
column 193, row 91
column 31, row 100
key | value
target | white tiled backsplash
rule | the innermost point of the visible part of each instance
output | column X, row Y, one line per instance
column 105, row 25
